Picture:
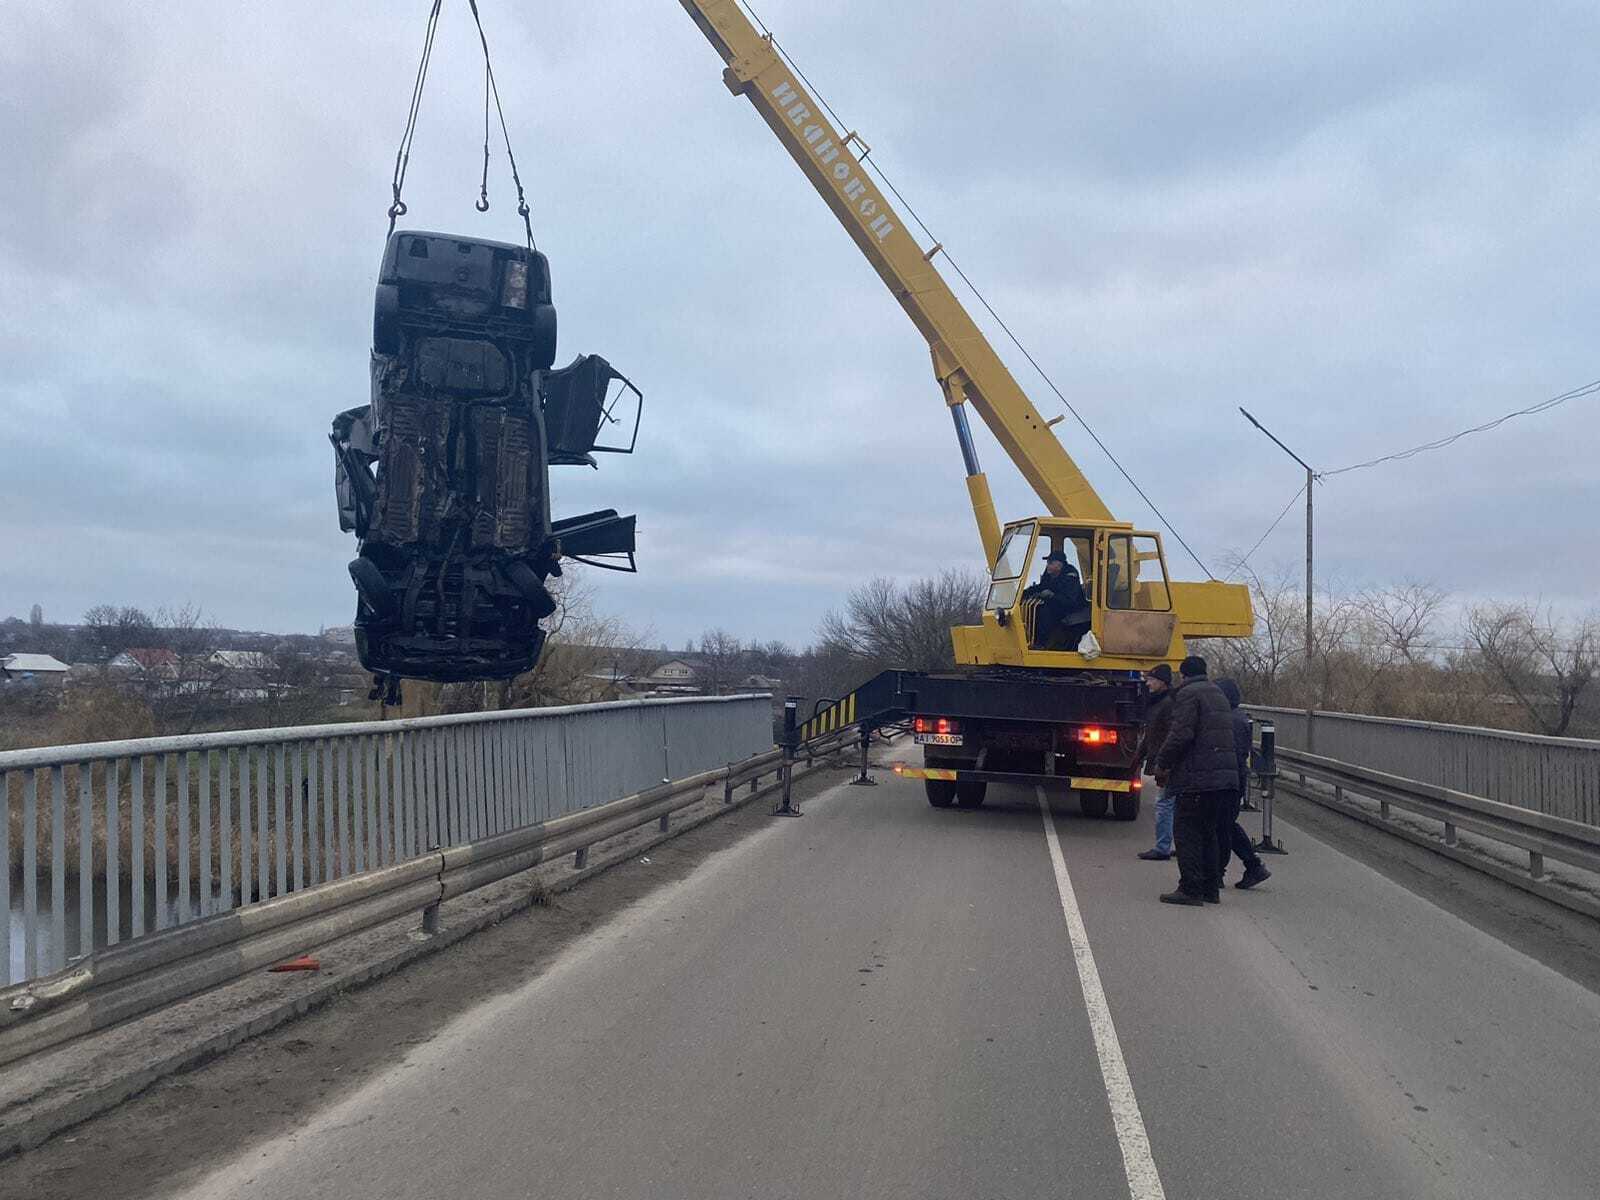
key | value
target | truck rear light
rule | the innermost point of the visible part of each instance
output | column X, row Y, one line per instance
column 1093, row 735
column 934, row 725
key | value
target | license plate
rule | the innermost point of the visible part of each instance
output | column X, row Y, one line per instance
column 937, row 739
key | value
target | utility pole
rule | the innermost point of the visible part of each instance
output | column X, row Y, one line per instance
column 1311, row 479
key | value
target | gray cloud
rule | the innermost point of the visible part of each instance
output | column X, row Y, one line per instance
column 1370, row 227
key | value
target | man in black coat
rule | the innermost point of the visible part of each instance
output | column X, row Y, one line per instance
column 1063, row 606
column 1230, row 834
column 1198, row 757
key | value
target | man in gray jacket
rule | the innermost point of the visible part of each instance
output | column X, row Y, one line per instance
column 1198, row 756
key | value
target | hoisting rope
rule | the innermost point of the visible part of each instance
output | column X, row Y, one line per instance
column 402, row 157
column 491, row 90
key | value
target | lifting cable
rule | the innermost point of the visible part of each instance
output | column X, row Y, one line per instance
column 989, row 308
column 402, row 158
column 491, row 91
column 491, row 88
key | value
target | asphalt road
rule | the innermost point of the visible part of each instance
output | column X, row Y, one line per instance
column 885, row 1000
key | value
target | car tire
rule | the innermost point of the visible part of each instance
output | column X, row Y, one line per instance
column 1125, row 806
column 386, row 320
column 941, row 792
column 532, row 589
column 372, row 587
column 542, row 325
column 1093, row 804
column 970, row 794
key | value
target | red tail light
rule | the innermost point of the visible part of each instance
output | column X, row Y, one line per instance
column 1093, row 735
column 934, row 725
column 1138, row 785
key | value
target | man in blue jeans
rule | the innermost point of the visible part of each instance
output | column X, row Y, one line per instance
column 1158, row 722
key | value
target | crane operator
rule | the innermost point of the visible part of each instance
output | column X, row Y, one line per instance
column 1063, row 613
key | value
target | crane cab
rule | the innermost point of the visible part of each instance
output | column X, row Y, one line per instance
column 1113, row 585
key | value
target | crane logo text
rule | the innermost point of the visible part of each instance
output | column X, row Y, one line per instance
column 843, row 167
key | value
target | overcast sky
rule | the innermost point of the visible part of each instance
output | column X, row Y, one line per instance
column 1369, row 224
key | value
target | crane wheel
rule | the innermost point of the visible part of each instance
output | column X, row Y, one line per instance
column 941, row 792
column 1125, row 806
column 970, row 794
column 1094, row 804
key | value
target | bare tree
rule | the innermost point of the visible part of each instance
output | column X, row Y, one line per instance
column 722, row 661
column 117, row 628
column 1260, row 662
column 587, row 656
column 887, row 625
column 1544, row 663
column 1399, row 619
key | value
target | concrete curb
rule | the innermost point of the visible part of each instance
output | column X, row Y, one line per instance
column 1567, row 898
column 460, row 918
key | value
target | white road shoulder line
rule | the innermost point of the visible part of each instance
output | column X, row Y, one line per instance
column 1144, row 1182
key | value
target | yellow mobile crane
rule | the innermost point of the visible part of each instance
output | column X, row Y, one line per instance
column 1031, row 699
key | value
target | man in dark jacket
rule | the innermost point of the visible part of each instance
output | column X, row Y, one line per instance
column 1230, row 834
column 1199, row 758
column 1063, row 616
column 1158, row 721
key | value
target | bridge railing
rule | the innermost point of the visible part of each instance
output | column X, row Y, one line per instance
column 105, row 842
column 1556, row 776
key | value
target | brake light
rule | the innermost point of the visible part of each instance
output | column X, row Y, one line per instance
column 1138, row 785
column 1093, row 735
column 946, row 725
column 919, row 725
column 934, row 725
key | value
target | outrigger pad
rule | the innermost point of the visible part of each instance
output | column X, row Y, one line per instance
column 443, row 478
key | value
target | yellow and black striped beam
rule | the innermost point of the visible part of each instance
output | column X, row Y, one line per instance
column 836, row 716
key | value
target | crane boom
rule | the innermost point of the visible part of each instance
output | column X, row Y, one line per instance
column 965, row 364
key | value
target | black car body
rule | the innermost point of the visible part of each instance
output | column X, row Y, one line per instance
column 444, row 477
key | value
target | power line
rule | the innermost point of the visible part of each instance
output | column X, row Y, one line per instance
column 1588, row 389
column 989, row 308
column 1240, row 565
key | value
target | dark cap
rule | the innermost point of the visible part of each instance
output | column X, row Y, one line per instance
column 1056, row 556
column 1192, row 666
column 1162, row 672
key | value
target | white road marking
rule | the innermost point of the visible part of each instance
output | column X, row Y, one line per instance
column 1144, row 1181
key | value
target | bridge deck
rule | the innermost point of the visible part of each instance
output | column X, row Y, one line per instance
column 883, row 1000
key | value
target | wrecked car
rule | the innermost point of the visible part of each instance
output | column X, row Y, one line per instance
column 444, row 476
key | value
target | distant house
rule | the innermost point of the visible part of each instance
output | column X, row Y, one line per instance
column 675, row 675
column 241, row 686
column 151, row 660
column 343, row 635
column 38, row 668
column 242, row 660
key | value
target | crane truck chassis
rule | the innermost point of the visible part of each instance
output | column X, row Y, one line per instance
column 1007, row 725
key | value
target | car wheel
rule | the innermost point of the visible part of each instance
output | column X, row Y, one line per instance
column 941, row 792
column 527, row 583
column 372, row 587
column 1094, row 804
column 542, row 324
column 1125, row 806
column 970, row 794
column 386, row 320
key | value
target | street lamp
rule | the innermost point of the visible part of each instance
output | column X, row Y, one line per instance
column 1311, row 479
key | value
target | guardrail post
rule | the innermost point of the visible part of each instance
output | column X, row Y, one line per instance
column 430, row 920
column 1267, row 772
column 665, row 822
column 727, row 786
column 1536, row 864
column 1450, row 838
column 580, row 858
column 864, row 780
column 791, row 736
column 1383, row 809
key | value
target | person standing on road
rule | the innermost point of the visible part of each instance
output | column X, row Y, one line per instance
column 1198, row 755
column 1231, row 834
column 1158, row 720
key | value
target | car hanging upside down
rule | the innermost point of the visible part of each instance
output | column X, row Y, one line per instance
column 444, row 477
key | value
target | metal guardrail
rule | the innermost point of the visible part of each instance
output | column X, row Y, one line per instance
column 1542, row 836
column 1557, row 776
column 132, row 838
column 123, row 981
